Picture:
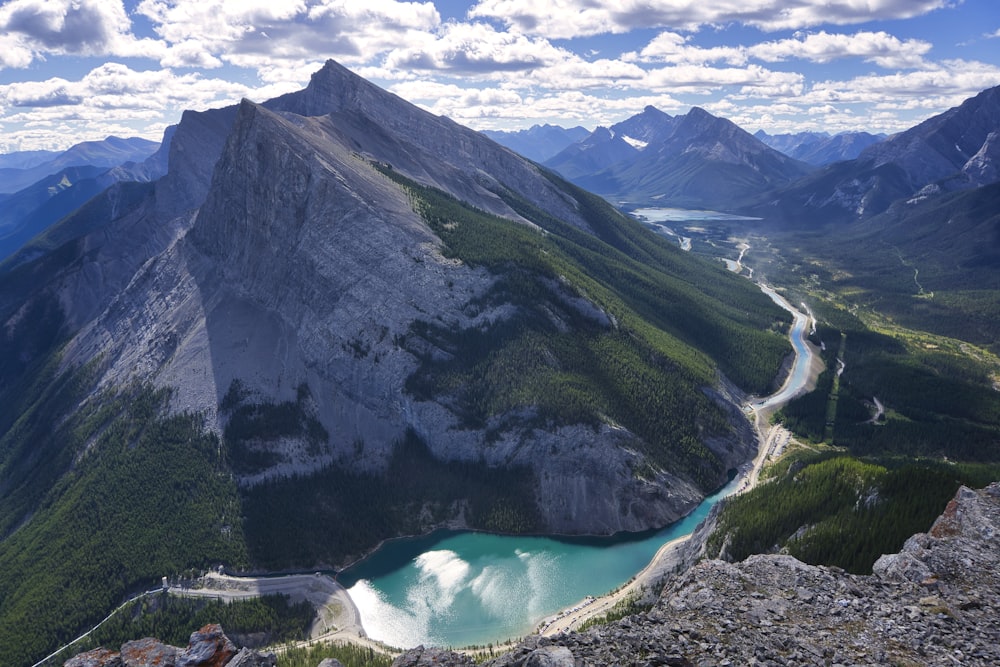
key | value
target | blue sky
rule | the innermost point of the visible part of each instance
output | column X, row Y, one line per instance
column 73, row 70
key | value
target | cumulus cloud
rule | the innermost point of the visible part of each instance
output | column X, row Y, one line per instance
column 474, row 48
column 34, row 28
column 670, row 47
column 880, row 48
column 501, row 108
column 256, row 33
column 109, row 94
column 751, row 80
column 952, row 80
column 564, row 19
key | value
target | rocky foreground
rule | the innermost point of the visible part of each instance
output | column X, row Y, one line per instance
column 936, row 602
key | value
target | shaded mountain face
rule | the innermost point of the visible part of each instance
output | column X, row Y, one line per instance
column 539, row 142
column 956, row 150
column 819, row 148
column 694, row 160
column 30, row 211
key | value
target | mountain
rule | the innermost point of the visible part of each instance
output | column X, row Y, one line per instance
column 606, row 147
column 955, row 150
column 819, row 148
column 26, row 159
column 337, row 319
column 539, row 142
column 696, row 160
column 32, row 210
column 108, row 153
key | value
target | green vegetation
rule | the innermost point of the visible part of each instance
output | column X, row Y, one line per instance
column 640, row 359
column 348, row 654
column 336, row 516
column 832, row 509
column 256, row 622
column 939, row 398
column 142, row 495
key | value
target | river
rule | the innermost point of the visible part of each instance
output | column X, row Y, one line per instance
column 465, row 588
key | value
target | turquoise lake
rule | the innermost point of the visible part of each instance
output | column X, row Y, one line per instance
column 463, row 588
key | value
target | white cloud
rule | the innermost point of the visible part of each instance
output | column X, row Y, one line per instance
column 39, row 112
column 564, row 19
column 32, row 29
column 949, row 80
column 258, row 33
column 752, row 80
column 880, row 48
column 670, row 47
column 474, row 48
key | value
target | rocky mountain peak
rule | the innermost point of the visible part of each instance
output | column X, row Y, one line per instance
column 331, row 89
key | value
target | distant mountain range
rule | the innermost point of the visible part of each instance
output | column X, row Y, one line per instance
column 93, row 166
column 539, row 142
column 956, row 150
column 695, row 160
column 820, row 148
column 108, row 153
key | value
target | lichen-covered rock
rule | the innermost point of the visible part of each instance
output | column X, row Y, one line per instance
column 432, row 657
column 99, row 657
column 149, row 652
column 208, row 647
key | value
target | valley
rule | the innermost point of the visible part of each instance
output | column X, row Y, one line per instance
column 307, row 327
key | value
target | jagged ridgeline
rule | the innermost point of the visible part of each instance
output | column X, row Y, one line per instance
column 336, row 319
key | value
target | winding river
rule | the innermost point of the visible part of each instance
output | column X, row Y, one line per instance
column 469, row 588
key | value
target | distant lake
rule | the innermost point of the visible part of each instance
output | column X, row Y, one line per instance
column 684, row 215
column 462, row 588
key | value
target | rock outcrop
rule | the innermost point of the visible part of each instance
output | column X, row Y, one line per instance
column 208, row 647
